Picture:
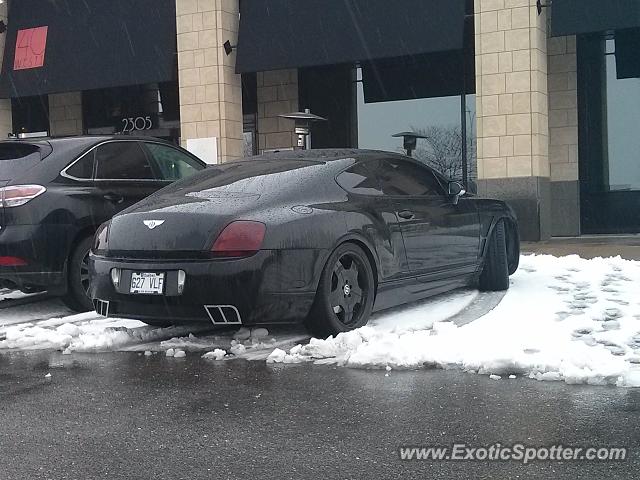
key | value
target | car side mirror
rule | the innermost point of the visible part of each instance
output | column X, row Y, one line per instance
column 456, row 190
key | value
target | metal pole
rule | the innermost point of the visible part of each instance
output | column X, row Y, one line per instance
column 463, row 124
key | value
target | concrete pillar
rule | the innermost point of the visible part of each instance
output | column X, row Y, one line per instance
column 512, row 106
column 563, row 136
column 6, row 122
column 277, row 95
column 210, row 90
column 65, row 114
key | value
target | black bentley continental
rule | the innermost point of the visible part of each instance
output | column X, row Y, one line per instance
column 324, row 237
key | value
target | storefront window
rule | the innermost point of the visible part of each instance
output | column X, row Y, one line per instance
column 622, row 107
column 150, row 109
column 438, row 118
column 30, row 115
column 608, row 118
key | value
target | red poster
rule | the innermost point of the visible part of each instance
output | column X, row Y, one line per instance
column 30, row 48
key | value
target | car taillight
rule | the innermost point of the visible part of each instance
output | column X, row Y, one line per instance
column 12, row 262
column 18, row 195
column 242, row 238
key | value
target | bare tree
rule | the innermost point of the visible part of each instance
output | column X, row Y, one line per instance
column 443, row 150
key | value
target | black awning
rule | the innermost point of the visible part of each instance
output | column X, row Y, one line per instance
column 571, row 17
column 627, row 53
column 278, row 34
column 70, row 45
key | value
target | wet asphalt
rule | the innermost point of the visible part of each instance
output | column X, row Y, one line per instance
column 123, row 415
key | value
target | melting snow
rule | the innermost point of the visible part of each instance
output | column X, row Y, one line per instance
column 563, row 319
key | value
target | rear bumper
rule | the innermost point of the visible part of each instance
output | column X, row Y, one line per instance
column 44, row 249
column 269, row 287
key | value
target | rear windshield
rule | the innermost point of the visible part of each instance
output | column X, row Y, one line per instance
column 17, row 158
column 249, row 176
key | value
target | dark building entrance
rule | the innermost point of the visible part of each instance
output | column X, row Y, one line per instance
column 608, row 79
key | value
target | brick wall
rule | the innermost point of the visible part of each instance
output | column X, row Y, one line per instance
column 210, row 90
column 65, row 114
column 511, row 79
column 563, row 109
column 277, row 95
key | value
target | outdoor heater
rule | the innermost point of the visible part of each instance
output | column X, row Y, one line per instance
column 303, row 122
column 410, row 141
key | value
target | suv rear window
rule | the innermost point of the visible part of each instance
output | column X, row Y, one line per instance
column 17, row 158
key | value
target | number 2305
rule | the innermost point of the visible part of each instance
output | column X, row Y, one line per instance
column 137, row 123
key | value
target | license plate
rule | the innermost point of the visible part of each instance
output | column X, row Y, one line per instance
column 147, row 283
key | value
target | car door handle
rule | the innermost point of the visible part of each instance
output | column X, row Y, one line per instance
column 113, row 197
column 406, row 214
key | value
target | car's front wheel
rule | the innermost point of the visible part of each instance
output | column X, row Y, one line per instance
column 346, row 292
column 495, row 274
column 77, row 296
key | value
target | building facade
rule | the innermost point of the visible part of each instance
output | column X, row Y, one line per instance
column 538, row 105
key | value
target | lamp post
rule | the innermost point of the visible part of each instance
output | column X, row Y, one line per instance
column 303, row 122
column 409, row 140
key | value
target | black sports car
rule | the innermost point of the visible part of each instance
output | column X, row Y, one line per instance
column 326, row 236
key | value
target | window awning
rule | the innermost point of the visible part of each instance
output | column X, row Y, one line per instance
column 571, row 17
column 279, row 34
column 71, row 45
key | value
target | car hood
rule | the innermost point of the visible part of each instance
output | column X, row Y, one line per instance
column 177, row 222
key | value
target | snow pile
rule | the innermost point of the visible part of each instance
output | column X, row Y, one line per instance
column 565, row 319
column 82, row 333
column 217, row 354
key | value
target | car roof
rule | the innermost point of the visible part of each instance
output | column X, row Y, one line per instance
column 82, row 140
column 324, row 154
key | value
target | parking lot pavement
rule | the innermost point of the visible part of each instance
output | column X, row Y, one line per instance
column 124, row 415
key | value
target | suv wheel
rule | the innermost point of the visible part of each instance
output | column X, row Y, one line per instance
column 77, row 297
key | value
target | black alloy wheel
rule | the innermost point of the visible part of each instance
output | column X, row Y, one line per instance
column 346, row 292
column 77, row 296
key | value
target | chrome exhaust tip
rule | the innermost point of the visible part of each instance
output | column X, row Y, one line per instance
column 223, row 314
column 101, row 307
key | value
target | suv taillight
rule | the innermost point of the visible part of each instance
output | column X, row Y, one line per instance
column 18, row 195
column 242, row 238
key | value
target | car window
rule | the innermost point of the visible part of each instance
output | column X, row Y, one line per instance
column 359, row 179
column 83, row 168
column 401, row 177
column 122, row 161
column 16, row 158
column 171, row 163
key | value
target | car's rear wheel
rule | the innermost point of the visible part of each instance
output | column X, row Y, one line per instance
column 346, row 293
column 495, row 274
column 77, row 297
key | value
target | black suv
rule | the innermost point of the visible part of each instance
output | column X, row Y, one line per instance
column 55, row 193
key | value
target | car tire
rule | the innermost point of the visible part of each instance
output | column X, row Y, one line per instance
column 495, row 273
column 346, row 292
column 76, row 297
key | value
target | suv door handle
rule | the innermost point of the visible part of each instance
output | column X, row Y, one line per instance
column 113, row 197
column 406, row 214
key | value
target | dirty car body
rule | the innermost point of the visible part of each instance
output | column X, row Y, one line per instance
column 247, row 242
